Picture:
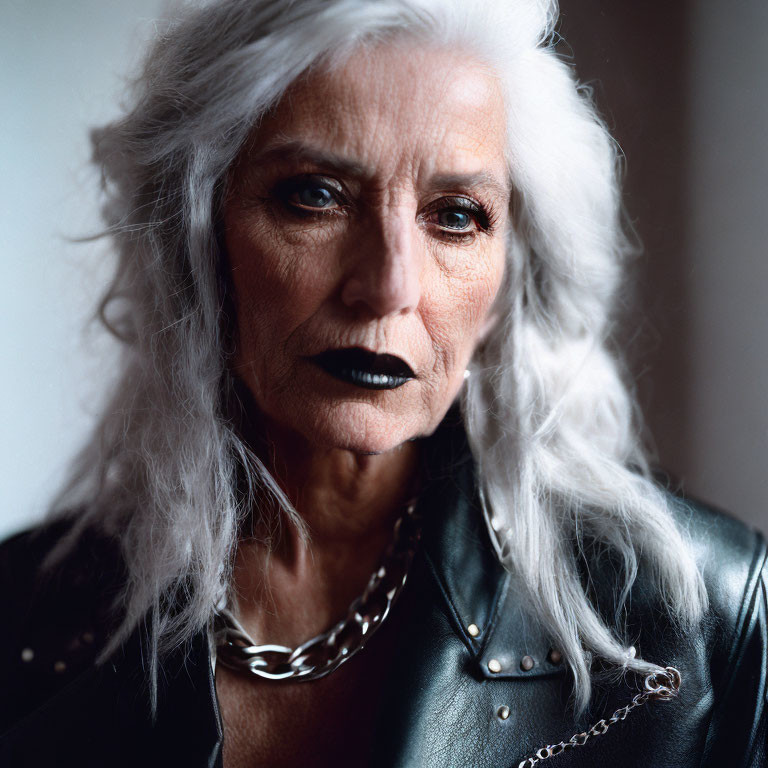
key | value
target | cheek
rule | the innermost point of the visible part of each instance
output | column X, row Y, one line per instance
column 279, row 281
column 459, row 301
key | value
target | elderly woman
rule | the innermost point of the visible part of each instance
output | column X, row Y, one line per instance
column 369, row 491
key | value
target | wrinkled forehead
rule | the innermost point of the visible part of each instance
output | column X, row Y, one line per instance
column 397, row 109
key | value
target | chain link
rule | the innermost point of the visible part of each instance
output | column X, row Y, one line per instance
column 659, row 686
column 323, row 654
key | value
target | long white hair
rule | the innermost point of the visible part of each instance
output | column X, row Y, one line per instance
column 551, row 424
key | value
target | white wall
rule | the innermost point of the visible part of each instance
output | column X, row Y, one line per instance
column 61, row 70
column 728, row 257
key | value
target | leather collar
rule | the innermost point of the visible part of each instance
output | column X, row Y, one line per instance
column 476, row 589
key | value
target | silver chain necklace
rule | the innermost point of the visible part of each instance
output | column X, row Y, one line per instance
column 323, row 654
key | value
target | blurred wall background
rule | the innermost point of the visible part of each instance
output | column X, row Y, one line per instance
column 62, row 70
column 683, row 87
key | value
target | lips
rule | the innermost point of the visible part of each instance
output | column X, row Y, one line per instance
column 365, row 369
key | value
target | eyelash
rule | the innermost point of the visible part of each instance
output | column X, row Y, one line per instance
column 484, row 219
column 483, row 216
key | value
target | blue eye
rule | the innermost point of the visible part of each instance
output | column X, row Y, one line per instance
column 314, row 196
column 307, row 195
column 457, row 218
column 454, row 219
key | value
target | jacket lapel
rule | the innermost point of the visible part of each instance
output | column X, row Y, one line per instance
column 485, row 603
column 465, row 636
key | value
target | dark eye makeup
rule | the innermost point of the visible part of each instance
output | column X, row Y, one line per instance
column 454, row 217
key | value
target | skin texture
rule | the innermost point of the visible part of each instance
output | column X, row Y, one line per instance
column 378, row 272
column 395, row 137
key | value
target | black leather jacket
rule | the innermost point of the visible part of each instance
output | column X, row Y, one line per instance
column 440, row 706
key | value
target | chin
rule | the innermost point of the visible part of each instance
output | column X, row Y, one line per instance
column 363, row 428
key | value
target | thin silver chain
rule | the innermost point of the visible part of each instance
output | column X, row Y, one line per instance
column 323, row 654
column 659, row 686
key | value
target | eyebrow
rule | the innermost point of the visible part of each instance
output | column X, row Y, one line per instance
column 290, row 149
column 471, row 181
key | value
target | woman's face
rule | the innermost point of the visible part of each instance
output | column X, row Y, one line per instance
column 365, row 229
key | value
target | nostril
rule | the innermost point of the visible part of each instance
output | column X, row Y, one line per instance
column 352, row 292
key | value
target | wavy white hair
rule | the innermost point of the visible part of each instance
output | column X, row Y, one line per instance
column 551, row 424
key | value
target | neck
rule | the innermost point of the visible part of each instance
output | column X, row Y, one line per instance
column 348, row 503
column 341, row 495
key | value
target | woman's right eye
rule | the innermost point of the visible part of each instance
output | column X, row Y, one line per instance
column 314, row 197
column 311, row 194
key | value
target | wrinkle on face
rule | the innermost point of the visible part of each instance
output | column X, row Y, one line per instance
column 399, row 129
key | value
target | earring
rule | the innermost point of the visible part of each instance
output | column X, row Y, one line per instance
column 467, row 373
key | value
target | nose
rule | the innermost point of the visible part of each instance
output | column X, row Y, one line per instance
column 385, row 276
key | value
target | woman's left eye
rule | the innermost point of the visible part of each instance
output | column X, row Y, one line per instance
column 456, row 220
column 457, row 217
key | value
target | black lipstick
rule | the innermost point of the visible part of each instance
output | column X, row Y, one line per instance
column 365, row 369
